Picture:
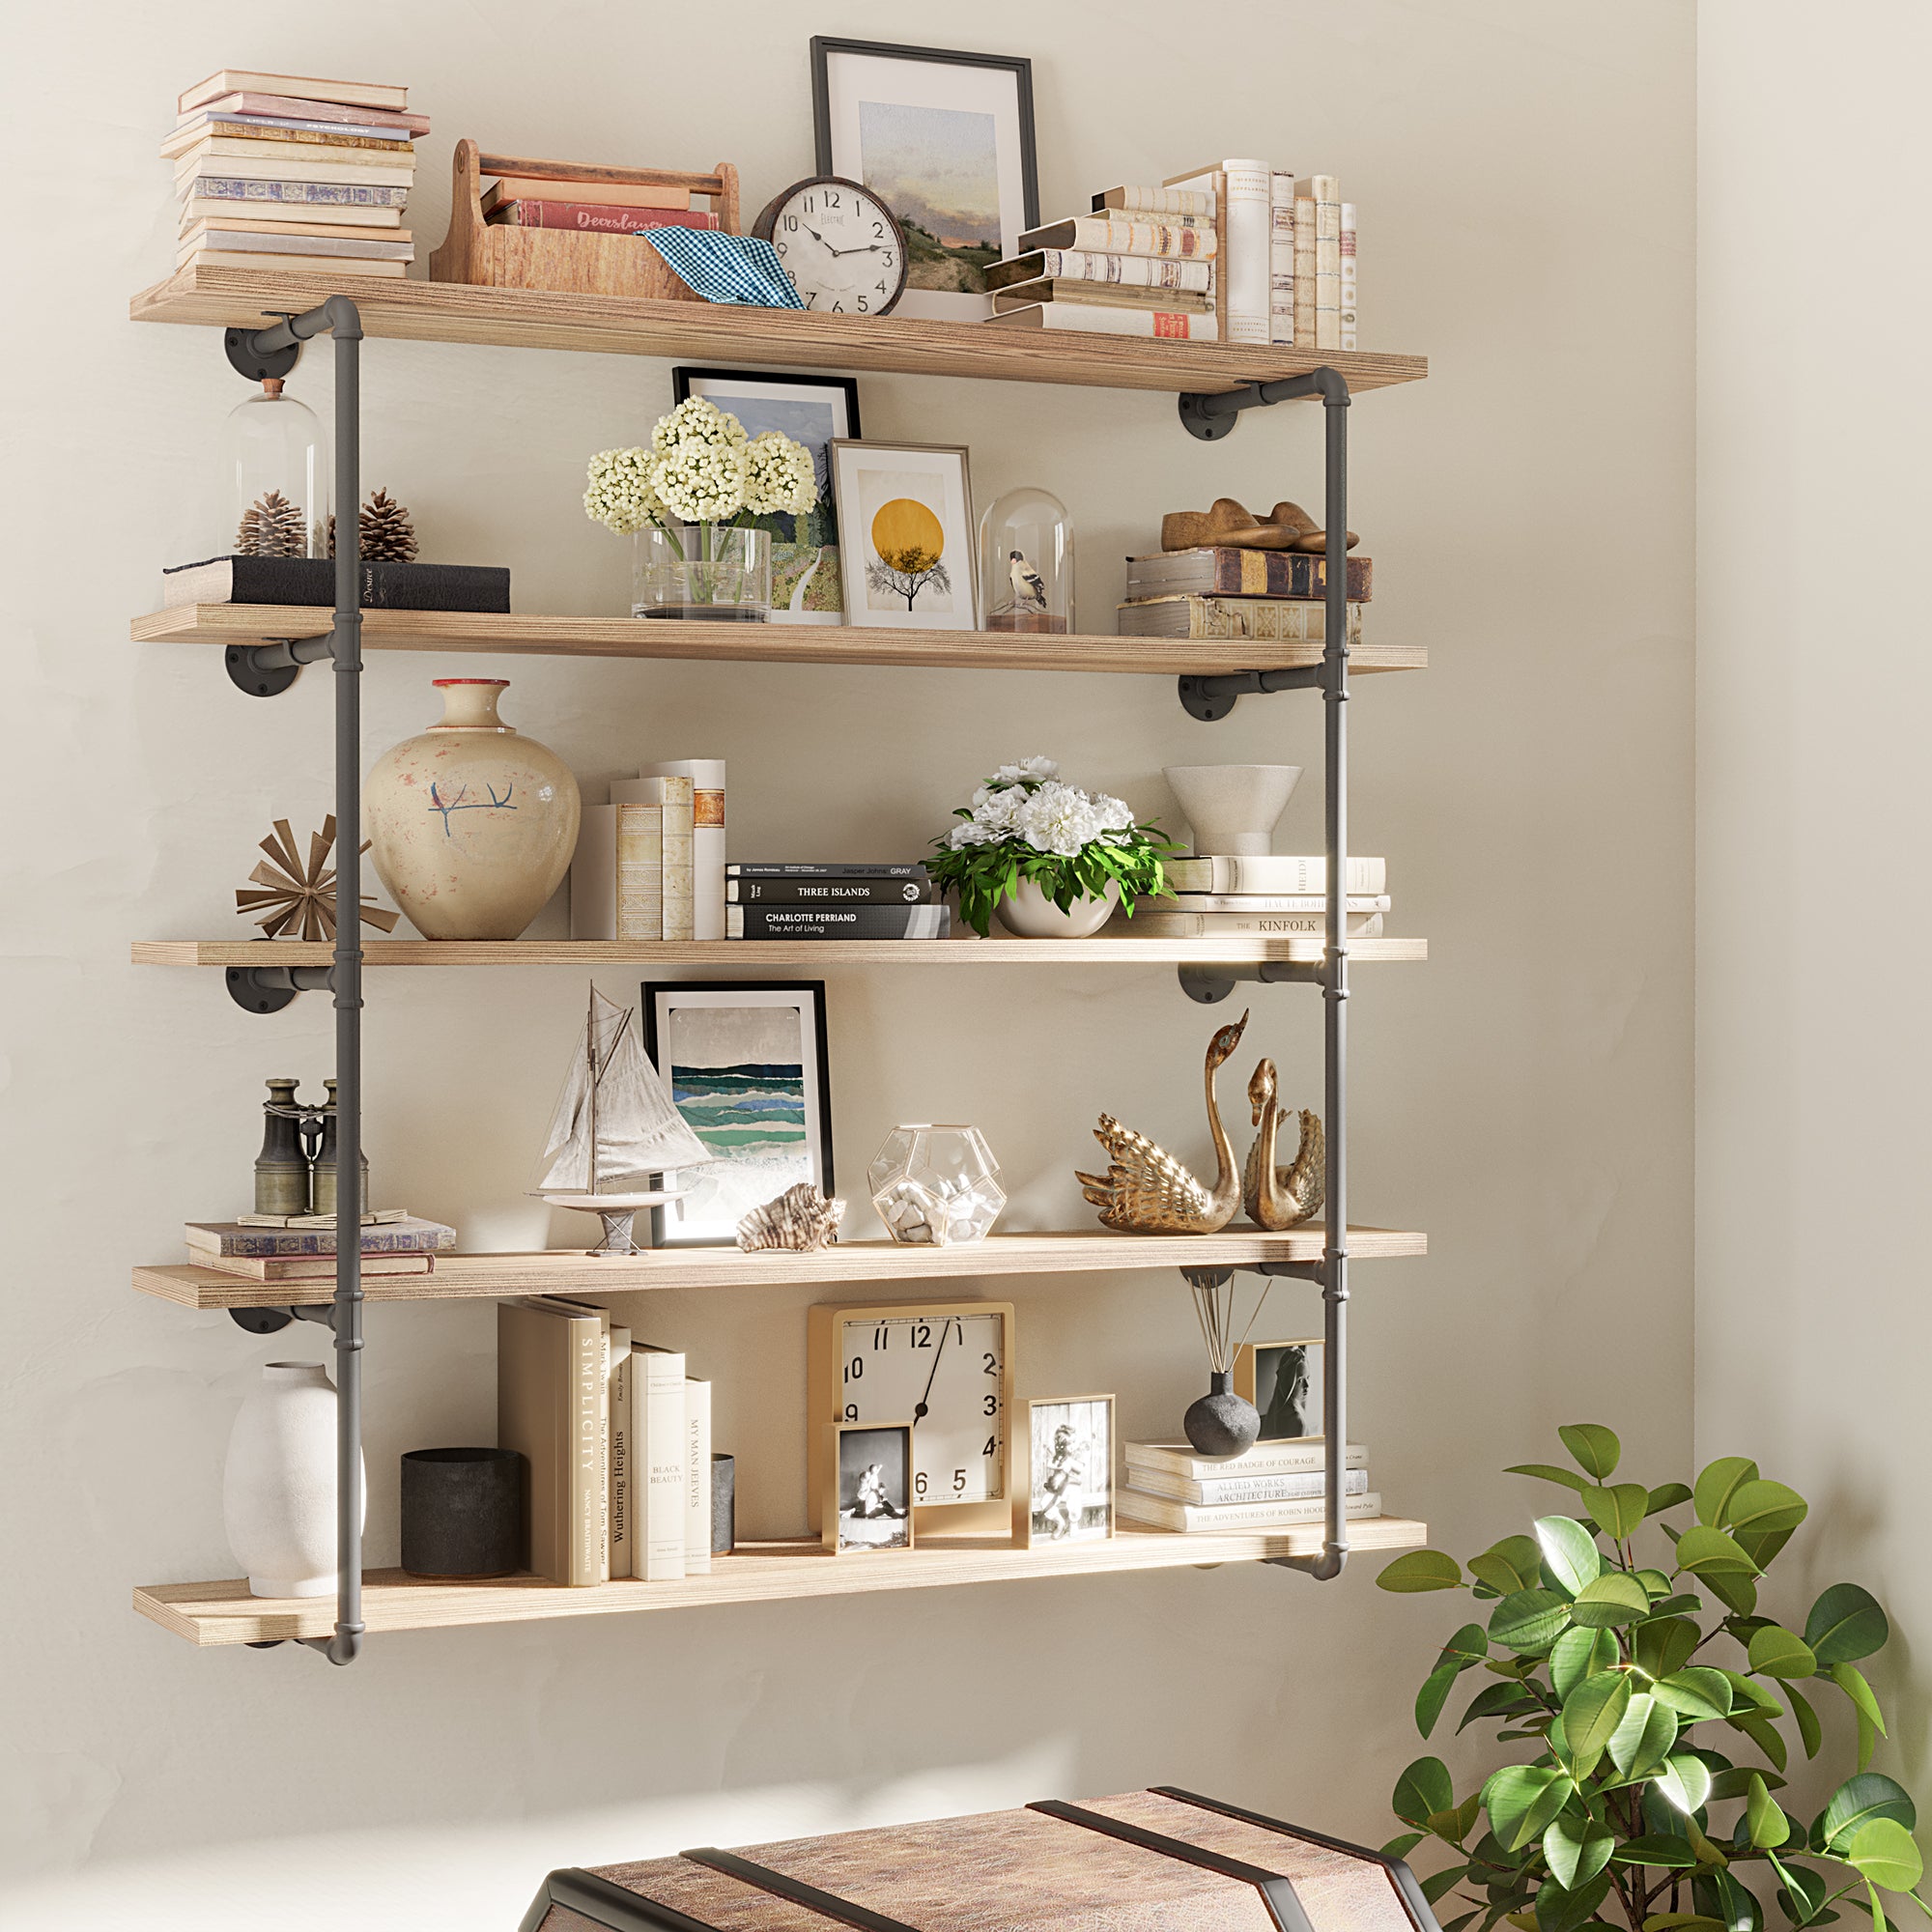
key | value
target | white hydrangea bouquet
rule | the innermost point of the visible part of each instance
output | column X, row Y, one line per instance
column 1026, row 824
column 702, row 470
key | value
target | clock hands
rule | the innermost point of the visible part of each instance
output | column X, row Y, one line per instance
column 945, row 1336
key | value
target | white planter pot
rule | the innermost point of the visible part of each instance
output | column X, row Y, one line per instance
column 1232, row 809
column 1031, row 915
column 279, row 1489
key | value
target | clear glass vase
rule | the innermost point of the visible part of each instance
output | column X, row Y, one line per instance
column 1026, row 563
column 934, row 1185
column 700, row 571
column 278, row 463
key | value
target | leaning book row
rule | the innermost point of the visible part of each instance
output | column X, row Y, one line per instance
column 1269, row 1486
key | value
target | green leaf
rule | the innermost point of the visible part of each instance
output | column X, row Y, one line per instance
column 1529, row 1620
column 1740, row 1908
column 1570, row 1550
column 1500, row 1700
column 1845, row 1623
column 1684, row 1783
column 1681, row 1921
column 1664, row 1645
column 1883, row 1852
column 1515, row 1563
column 1746, row 1693
column 1682, row 1605
column 1756, row 1507
column 1643, row 1737
column 1613, row 1598
column 1810, row 1732
column 1594, row 1446
column 1766, row 1824
column 1591, row 1715
column 1762, row 1546
column 1877, row 1910
column 1421, row 1570
column 1437, row 1883
column 1716, row 1484
column 1521, row 1799
column 1667, row 1853
column 1757, row 1726
column 1558, row 1910
column 1619, row 1510
column 1735, row 1781
column 1872, row 1720
column 1868, row 1796
column 1578, row 1653
column 1576, row 1849
column 1695, row 1693
column 1425, row 1787
column 1807, row 1890
column 1737, row 1593
column 1655, row 1582
column 1666, row 1496
column 1550, row 1473
column 1400, row 1846
column 1433, row 1694
column 1775, row 1652
column 1708, row 1552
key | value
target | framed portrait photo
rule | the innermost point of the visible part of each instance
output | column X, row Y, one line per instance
column 746, row 1064
column 945, row 139
column 807, row 585
column 1065, row 1468
column 1282, row 1380
column 905, row 533
column 869, row 1487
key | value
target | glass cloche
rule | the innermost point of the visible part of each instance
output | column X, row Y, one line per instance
column 936, row 1185
column 1026, row 563
column 278, row 477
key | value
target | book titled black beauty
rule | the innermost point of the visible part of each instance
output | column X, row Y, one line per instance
column 311, row 581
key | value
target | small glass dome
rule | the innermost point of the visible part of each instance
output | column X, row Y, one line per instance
column 278, row 469
column 1026, row 563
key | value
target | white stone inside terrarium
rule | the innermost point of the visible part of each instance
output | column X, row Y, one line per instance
column 936, row 1185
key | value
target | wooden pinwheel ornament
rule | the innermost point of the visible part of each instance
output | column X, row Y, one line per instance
column 297, row 902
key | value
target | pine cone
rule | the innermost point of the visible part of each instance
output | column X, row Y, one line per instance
column 387, row 535
column 273, row 527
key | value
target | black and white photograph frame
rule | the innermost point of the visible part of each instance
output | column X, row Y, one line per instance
column 946, row 139
column 746, row 1063
column 1282, row 1380
column 906, row 535
column 1064, row 1462
column 807, row 583
column 868, row 1479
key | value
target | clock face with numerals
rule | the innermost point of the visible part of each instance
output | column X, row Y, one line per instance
column 840, row 244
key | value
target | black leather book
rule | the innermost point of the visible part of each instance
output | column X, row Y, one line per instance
column 311, row 581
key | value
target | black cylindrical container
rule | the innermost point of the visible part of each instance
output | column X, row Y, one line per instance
column 462, row 1512
column 723, row 1505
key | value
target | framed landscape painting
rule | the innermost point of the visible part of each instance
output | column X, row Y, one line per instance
column 946, row 140
column 745, row 1064
column 807, row 586
column 905, row 530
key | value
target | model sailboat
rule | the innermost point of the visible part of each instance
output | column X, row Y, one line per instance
column 615, row 1133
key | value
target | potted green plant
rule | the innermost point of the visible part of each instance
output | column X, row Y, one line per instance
column 1613, row 1683
column 1048, row 860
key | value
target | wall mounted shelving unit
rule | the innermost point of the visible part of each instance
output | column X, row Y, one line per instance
column 264, row 648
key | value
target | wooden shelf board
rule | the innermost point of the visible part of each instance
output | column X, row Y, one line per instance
column 496, row 632
column 597, row 953
column 570, row 1271
column 225, row 1613
column 426, row 311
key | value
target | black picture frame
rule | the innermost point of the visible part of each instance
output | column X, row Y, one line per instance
column 824, row 45
column 681, row 374
column 664, row 1227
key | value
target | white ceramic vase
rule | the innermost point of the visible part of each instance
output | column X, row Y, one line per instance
column 471, row 825
column 278, row 1488
column 1232, row 809
column 1030, row 913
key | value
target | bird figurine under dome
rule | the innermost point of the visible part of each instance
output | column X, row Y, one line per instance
column 1029, row 587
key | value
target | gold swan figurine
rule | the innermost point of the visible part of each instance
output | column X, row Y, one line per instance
column 1281, row 1197
column 1146, row 1191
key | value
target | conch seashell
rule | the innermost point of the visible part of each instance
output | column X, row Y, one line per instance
column 800, row 1218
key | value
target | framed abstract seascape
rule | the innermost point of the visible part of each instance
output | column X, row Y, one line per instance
column 905, row 532
column 807, row 585
column 946, row 140
column 746, row 1064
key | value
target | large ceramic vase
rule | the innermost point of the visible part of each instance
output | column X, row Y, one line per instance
column 1232, row 809
column 470, row 824
column 279, row 1489
column 1028, row 913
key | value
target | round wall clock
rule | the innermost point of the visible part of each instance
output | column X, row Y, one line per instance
column 842, row 245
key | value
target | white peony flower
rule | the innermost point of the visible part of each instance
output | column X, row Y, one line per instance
column 621, row 495
column 998, row 809
column 702, row 482
column 1113, row 814
column 779, row 475
column 697, row 423
column 969, row 831
column 1027, row 771
column 1059, row 820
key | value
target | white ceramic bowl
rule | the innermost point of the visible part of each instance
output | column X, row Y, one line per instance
column 1232, row 809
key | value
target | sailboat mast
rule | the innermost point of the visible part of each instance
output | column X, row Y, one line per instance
column 590, row 1062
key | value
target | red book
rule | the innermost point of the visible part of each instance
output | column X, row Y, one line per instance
column 597, row 217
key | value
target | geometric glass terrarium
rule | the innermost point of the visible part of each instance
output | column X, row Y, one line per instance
column 1026, row 563
column 278, row 465
column 936, row 1185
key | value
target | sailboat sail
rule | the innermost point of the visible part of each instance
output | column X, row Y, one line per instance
column 638, row 1130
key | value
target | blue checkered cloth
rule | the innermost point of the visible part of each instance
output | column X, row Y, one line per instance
column 735, row 268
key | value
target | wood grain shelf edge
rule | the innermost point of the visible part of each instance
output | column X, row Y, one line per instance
column 223, row 1613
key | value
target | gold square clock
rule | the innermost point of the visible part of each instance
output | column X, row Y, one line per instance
column 948, row 1365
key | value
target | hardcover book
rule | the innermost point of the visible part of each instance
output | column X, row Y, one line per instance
column 1156, row 201
column 1223, row 571
column 1184, row 235
column 1270, row 873
column 831, row 891
column 1100, row 295
column 596, row 217
column 1273, row 619
column 662, row 1449
column 290, row 104
column 1238, row 926
column 308, row 1268
column 408, row 1236
column 311, row 581
column 1200, row 1520
column 811, row 922
column 1109, row 271
column 550, row 1380
column 242, row 81
column 1215, row 1489
column 827, row 868
column 1259, row 1458
column 1096, row 321
column 707, row 835
column 226, row 185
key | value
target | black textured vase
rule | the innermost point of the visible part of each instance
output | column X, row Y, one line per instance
column 723, row 1505
column 462, row 1512
column 1221, row 1423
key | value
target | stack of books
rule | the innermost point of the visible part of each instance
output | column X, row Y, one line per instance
column 579, row 199
column 302, row 1247
column 1142, row 263
column 618, row 1442
column 651, row 865
column 1266, row 897
column 279, row 171
column 1221, row 591
column 859, row 899
column 1270, row 1486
